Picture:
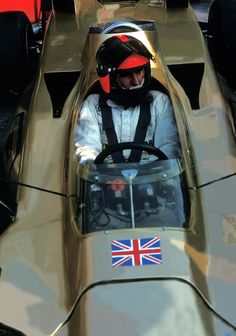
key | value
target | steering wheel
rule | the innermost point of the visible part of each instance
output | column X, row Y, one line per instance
column 129, row 145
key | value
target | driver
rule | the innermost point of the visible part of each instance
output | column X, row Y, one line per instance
column 126, row 110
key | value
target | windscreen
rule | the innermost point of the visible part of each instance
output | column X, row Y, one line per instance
column 124, row 196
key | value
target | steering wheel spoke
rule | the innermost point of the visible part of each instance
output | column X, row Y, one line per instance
column 129, row 145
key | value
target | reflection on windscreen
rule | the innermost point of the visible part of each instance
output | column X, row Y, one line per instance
column 119, row 196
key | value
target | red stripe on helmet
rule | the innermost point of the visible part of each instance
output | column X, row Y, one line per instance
column 123, row 38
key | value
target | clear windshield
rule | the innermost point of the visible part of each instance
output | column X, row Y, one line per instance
column 119, row 196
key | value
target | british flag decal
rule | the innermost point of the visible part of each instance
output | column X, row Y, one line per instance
column 136, row 252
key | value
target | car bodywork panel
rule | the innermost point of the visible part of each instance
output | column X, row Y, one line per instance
column 60, row 278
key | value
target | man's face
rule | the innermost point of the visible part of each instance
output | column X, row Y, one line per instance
column 131, row 79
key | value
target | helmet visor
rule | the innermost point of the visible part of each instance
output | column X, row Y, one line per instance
column 133, row 61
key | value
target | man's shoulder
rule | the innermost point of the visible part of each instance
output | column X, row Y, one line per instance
column 158, row 94
column 92, row 99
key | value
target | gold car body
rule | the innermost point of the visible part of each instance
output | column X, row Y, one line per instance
column 57, row 281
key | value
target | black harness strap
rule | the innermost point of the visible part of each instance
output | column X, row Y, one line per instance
column 140, row 133
column 108, row 126
column 141, row 130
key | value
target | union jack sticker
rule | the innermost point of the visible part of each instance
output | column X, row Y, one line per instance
column 136, row 252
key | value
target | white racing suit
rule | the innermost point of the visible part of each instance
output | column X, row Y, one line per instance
column 90, row 138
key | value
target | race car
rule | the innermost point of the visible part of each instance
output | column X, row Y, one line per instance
column 107, row 248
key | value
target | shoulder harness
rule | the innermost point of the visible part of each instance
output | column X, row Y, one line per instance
column 140, row 133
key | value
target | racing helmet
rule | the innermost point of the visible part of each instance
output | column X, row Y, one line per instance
column 121, row 53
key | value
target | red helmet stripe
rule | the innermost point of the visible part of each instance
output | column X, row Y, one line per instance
column 133, row 61
column 105, row 83
column 123, row 38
